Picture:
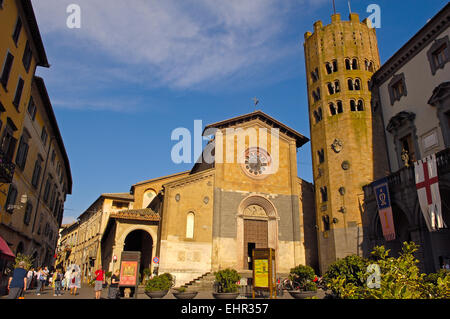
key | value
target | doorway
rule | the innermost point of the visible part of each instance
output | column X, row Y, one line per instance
column 255, row 236
column 140, row 240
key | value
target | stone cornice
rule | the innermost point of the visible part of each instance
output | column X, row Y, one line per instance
column 439, row 23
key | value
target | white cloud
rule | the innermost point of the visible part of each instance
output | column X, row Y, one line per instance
column 177, row 44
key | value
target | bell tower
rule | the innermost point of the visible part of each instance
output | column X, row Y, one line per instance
column 340, row 60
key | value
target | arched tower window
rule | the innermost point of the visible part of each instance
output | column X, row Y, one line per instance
column 337, row 86
column 340, row 109
column 350, row 84
column 352, row 105
column 348, row 65
column 329, row 68
column 333, row 109
column 330, row 88
column 360, row 105
column 190, row 225
column 357, row 84
column 355, row 65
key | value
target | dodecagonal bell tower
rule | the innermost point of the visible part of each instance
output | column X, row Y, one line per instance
column 340, row 61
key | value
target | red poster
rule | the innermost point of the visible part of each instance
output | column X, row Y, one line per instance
column 128, row 273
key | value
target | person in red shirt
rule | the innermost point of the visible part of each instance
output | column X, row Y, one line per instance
column 99, row 280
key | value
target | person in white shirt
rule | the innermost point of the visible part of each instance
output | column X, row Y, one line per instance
column 30, row 275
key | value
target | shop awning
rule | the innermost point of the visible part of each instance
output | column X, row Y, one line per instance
column 5, row 251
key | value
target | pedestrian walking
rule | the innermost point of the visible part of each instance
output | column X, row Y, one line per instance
column 99, row 280
column 113, row 292
column 46, row 274
column 30, row 276
column 39, row 281
column 17, row 284
column 75, row 282
column 57, row 279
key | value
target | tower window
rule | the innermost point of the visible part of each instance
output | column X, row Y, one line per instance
column 360, row 105
column 333, row 109
column 318, row 115
column 337, row 86
column 348, row 65
column 357, row 84
column 340, row 109
column 326, row 222
column 315, row 75
column 350, row 84
column 335, row 66
column 352, row 105
column 324, row 194
column 321, row 155
column 355, row 65
column 331, row 67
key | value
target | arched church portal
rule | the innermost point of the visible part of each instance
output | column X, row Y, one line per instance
column 140, row 240
column 257, row 227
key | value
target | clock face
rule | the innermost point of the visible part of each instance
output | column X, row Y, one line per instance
column 257, row 163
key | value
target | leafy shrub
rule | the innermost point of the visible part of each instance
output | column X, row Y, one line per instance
column 227, row 279
column 400, row 278
column 28, row 260
column 158, row 283
column 353, row 268
column 304, row 277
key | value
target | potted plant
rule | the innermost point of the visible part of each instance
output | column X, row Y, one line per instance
column 226, row 282
column 305, row 280
column 158, row 286
column 182, row 293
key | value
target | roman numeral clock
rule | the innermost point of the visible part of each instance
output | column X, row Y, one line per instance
column 257, row 163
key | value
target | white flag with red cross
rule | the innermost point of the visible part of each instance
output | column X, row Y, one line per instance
column 427, row 185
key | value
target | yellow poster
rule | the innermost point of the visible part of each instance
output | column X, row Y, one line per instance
column 262, row 273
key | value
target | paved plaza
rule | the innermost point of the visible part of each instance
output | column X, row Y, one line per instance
column 87, row 292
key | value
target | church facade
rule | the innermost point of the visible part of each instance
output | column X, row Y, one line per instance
column 214, row 215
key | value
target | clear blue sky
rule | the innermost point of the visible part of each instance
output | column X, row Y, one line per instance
column 136, row 70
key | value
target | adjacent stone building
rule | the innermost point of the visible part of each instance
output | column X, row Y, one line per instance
column 412, row 97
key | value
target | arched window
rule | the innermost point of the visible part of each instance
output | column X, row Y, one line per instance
column 352, row 105
column 333, row 110
column 350, row 84
column 319, row 110
column 330, row 88
column 340, row 109
column 335, row 66
column 148, row 197
column 360, row 105
column 357, row 84
column 347, row 64
column 190, row 225
column 355, row 65
column 371, row 67
column 329, row 68
column 337, row 86
column 316, row 117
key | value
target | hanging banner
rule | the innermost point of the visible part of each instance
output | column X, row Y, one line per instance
column 427, row 185
column 381, row 191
